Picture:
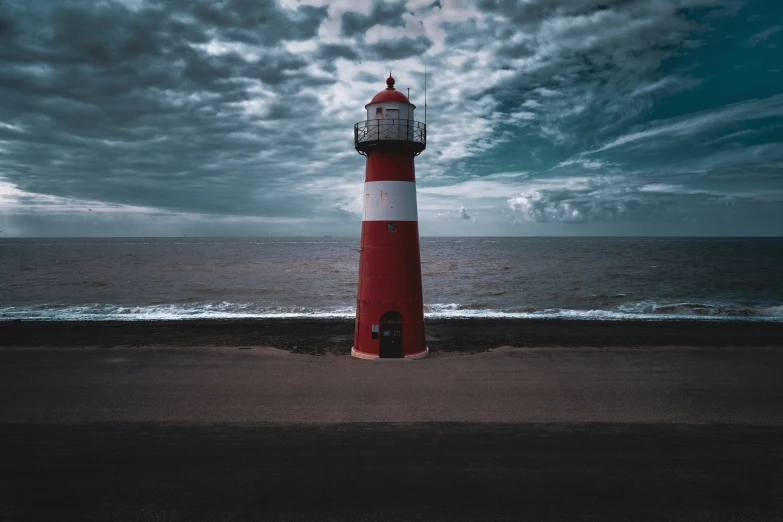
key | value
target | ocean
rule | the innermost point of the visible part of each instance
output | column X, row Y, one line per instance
column 576, row 278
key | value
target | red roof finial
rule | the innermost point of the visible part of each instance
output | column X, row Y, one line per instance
column 389, row 94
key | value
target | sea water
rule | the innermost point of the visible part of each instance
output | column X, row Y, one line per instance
column 583, row 278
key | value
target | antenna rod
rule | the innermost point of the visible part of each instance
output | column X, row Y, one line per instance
column 425, row 95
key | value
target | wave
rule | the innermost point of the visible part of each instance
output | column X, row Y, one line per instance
column 701, row 309
column 164, row 312
column 229, row 310
column 633, row 311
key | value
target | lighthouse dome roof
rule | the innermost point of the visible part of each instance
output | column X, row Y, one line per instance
column 390, row 94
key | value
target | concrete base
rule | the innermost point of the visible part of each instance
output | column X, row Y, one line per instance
column 362, row 355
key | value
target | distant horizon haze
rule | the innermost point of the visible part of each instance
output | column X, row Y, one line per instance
column 357, row 237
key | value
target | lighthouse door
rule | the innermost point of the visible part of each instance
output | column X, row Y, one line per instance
column 391, row 340
column 391, row 336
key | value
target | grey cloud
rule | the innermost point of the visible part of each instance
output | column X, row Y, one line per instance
column 465, row 34
column 7, row 28
column 333, row 51
column 252, row 21
column 538, row 10
column 582, row 205
column 366, row 77
column 464, row 215
column 516, row 50
column 764, row 35
column 399, row 48
column 548, row 207
column 744, row 176
column 389, row 14
column 274, row 68
column 627, row 198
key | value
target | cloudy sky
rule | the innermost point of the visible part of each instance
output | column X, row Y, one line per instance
column 235, row 117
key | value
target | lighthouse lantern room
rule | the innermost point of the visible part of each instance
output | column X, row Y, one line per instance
column 389, row 305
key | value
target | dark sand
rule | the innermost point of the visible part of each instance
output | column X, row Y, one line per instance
column 319, row 337
column 508, row 420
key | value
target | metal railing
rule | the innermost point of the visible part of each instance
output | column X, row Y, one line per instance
column 369, row 133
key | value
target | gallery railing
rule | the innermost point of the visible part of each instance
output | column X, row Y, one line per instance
column 372, row 133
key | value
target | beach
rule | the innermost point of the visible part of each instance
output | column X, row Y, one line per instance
column 335, row 336
column 507, row 420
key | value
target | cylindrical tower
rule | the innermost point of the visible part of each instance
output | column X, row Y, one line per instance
column 389, row 306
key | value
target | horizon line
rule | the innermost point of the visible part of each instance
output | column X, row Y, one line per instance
column 421, row 236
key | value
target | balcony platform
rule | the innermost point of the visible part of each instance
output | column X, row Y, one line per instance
column 370, row 134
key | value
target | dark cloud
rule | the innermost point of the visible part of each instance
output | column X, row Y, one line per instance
column 252, row 21
column 274, row 68
column 6, row 27
column 535, row 11
column 516, row 50
column 389, row 14
column 399, row 48
column 759, row 174
column 466, row 34
column 104, row 35
column 333, row 51
column 366, row 77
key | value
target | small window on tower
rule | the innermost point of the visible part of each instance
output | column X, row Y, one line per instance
column 392, row 114
column 379, row 113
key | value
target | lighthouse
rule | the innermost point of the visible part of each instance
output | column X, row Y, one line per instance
column 389, row 306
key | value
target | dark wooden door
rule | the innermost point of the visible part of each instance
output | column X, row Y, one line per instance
column 391, row 340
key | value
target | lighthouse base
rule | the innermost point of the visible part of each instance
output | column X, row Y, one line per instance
column 369, row 356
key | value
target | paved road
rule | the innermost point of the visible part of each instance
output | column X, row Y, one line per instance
column 270, row 386
column 205, row 434
column 381, row 472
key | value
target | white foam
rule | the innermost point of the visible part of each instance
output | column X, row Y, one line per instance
column 228, row 310
column 224, row 310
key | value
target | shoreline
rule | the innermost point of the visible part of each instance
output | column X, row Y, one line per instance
column 335, row 336
column 12, row 315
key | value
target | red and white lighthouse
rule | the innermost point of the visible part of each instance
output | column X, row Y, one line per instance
column 389, row 306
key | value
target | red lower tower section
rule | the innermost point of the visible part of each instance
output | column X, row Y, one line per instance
column 389, row 305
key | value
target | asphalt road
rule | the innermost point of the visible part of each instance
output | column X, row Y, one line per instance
column 198, row 433
column 270, row 386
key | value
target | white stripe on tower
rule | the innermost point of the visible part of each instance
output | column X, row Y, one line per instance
column 390, row 201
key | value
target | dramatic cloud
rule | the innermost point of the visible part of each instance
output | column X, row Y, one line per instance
column 156, row 117
column 382, row 13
